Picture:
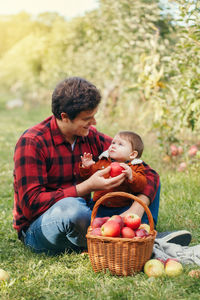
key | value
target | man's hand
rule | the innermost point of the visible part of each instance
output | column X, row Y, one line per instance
column 97, row 182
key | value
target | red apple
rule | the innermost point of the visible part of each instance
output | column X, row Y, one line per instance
column 116, row 169
column 141, row 233
column 193, row 150
column 154, row 268
column 174, row 150
column 118, row 219
column 182, row 167
column 132, row 220
column 162, row 260
column 110, row 228
column 173, row 267
column 167, row 260
column 98, row 222
column 145, row 226
column 105, row 219
column 96, row 231
column 180, row 150
column 127, row 232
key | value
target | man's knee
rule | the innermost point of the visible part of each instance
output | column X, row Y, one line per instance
column 72, row 210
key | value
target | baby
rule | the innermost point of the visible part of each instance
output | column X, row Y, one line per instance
column 126, row 148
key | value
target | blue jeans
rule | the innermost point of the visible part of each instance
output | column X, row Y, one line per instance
column 64, row 225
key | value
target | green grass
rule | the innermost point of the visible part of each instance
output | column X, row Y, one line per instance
column 70, row 276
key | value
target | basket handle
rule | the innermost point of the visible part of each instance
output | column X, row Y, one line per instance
column 104, row 198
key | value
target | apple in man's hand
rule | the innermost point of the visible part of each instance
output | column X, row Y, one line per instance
column 173, row 267
column 127, row 232
column 154, row 268
column 116, row 169
column 132, row 220
column 118, row 219
column 111, row 228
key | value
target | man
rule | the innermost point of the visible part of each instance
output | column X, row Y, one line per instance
column 52, row 207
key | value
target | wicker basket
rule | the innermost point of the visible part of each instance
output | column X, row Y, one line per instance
column 121, row 256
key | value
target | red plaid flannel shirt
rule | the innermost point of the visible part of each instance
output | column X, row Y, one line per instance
column 47, row 169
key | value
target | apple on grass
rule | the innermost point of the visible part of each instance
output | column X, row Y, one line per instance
column 162, row 260
column 127, row 232
column 173, row 267
column 132, row 220
column 154, row 268
column 116, row 169
column 118, row 219
column 111, row 229
column 4, row 275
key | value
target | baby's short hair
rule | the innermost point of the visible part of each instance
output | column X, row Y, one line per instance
column 135, row 140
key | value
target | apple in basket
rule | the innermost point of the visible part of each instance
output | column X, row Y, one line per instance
column 98, row 222
column 118, row 219
column 96, row 231
column 145, row 226
column 132, row 220
column 116, row 169
column 141, row 233
column 127, row 232
column 111, row 229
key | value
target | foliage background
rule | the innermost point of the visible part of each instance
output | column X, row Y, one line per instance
column 145, row 60
column 143, row 57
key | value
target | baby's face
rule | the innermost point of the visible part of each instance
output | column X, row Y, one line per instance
column 120, row 149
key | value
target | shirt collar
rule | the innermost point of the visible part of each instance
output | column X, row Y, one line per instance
column 135, row 161
column 57, row 135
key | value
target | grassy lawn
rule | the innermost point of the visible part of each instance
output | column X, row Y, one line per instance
column 70, row 276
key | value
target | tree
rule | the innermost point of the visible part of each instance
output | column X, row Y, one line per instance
column 179, row 103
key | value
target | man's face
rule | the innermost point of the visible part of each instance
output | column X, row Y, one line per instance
column 120, row 149
column 81, row 124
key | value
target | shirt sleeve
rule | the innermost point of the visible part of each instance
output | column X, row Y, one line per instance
column 139, row 181
column 31, row 180
column 85, row 172
column 153, row 182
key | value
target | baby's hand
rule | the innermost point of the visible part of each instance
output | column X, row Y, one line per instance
column 87, row 160
column 127, row 170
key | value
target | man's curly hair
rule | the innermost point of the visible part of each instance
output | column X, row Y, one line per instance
column 74, row 95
